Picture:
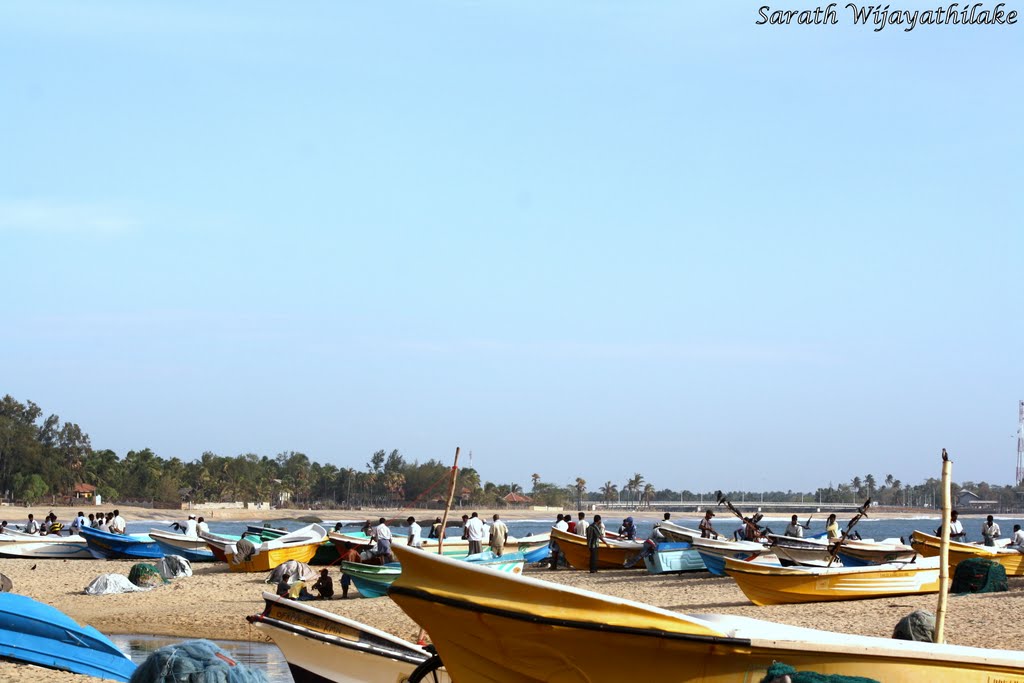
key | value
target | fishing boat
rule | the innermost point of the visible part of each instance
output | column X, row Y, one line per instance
column 1011, row 559
column 192, row 548
column 300, row 545
column 373, row 580
column 321, row 646
column 674, row 557
column 867, row 553
column 767, row 585
column 534, row 547
column 713, row 552
column 613, row 553
column 807, row 552
column 678, row 534
column 43, row 547
column 39, row 634
column 505, row 628
column 107, row 546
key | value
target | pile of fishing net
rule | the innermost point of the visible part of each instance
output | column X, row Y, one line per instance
column 174, row 566
column 918, row 625
column 979, row 575
column 779, row 672
column 146, row 576
column 293, row 571
column 109, row 584
column 196, row 661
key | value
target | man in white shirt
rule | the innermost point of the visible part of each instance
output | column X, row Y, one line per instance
column 498, row 536
column 581, row 525
column 956, row 529
column 79, row 522
column 1017, row 540
column 415, row 530
column 793, row 529
column 475, row 534
column 117, row 524
column 31, row 526
column 191, row 527
column 990, row 531
column 382, row 535
column 202, row 526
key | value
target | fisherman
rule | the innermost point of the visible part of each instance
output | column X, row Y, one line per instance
column 31, row 526
column 79, row 523
column 832, row 527
column 1017, row 540
column 990, row 531
column 628, row 530
column 706, row 529
column 794, row 529
column 202, row 526
column 956, row 528
column 751, row 531
column 499, row 534
column 561, row 525
column 595, row 536
column 324, row 585
column 435, row 529
column 414, row 540
column 117, row 524
column 382, row 535
column 475, row 534
column 347, row 554
column 581, row 525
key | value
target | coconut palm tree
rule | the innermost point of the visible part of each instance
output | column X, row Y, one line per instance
column 581, row 487
column 609, row 491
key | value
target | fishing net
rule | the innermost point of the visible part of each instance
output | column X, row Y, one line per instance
column 145, row 576
column 779, row 673
column 291, row 570
column 918, row 625
column 174, row 566
column 979, row 575
column 195, row 661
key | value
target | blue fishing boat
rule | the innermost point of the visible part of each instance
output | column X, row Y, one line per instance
column 107, row 546
column 674, row 557
column 36, row 633
column 192, row 548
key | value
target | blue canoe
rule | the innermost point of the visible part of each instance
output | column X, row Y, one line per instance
column 106, row 546
column 36, row 633
column 674, row 557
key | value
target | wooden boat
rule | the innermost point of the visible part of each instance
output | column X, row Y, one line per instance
column 674, row 557
column 372, row 580
column 767, row 585
column 613, row 554
column 37, row 633
column 714, row 551
column 514, row 629
column 867, row 553
column 44, row 547
column 807, row 552
column 192, row 548
column 107, row 546
column 534, row 548
column 300, row 545
column 321, row 646
column 1011, row 559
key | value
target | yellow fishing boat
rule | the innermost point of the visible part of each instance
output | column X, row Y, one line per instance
column 1011, row 559
column 301, row 545
column 613, row 553
column 508, row 628
column 766, row 584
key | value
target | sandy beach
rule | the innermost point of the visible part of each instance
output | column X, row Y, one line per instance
column 214, row 601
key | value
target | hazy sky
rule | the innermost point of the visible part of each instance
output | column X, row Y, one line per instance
column 576, row 238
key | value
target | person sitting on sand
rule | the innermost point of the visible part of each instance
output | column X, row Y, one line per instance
column 324, row 585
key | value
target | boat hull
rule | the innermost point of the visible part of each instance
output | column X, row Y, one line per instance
column 106, row 546
column 372, row 581
column 45, row 548
column 193, row 549
column 266, row 560
column 674, row 557
column 767, row 585
column 612, row 554
column 510, row 629
column 534, row 548
column 928, row 546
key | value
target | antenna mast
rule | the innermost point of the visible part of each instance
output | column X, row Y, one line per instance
column 1020, row 447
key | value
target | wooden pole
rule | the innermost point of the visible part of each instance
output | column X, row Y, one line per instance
column 448, row 505
column 940, row 612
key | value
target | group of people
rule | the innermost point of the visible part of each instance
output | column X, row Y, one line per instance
column 990, row 531
column 192, row 526
column 111, row 522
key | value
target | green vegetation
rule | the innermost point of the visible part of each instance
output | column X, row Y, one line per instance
column 43, row 459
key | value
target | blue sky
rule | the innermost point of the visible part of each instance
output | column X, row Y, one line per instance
column 579, row 239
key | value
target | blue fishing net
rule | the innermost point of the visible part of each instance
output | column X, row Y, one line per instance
column 783, row 672
column 194, row 661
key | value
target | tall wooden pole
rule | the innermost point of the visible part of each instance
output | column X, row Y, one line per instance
column 448, row 505
column 947, row 505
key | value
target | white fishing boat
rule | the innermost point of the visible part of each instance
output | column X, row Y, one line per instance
column 53, row 547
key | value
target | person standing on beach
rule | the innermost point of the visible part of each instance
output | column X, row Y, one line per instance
column 956, row 528
column 706, row 530
column 382, row 535
column 202, row 526
column 832, row 527
column 435, row 529
column 414, row 540
column 794, row 529
column 475, row 534
column 499, row 534
column 581, row 525
column 595, row 535
column 465, row 527
column 990, row 531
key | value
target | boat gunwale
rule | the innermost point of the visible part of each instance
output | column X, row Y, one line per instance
column 319, row 636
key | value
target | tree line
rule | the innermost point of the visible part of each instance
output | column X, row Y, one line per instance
column 43, row 459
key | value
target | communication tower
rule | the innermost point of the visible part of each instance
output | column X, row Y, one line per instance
column 1020, row 446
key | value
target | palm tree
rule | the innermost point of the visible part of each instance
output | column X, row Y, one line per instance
column 648, row 494
column 581, row 487
column 536, row 480
column 634, row 484
column 609, row 491
column 869, row 482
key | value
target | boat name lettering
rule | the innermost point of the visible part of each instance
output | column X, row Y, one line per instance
column 313, row 623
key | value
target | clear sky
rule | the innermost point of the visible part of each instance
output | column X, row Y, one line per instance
column 576, row 238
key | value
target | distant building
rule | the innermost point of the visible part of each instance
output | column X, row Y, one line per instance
column 517, row 499
column 969, row 501
column 83, row 492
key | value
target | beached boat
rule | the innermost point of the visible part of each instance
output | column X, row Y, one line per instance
column 372, row 580
column 107, row 546
column 807, row 552
column 534, row 548
column 613, row 553
column 867, row 553
column 300, row 545
column 192, row 548
column 713, row 552
column 513, row 629
column 44, row 547
column 769, row 585
column 37, row 633
column 675, row 533
column 1011, row 559
column 321, row 646
column 674, row 557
